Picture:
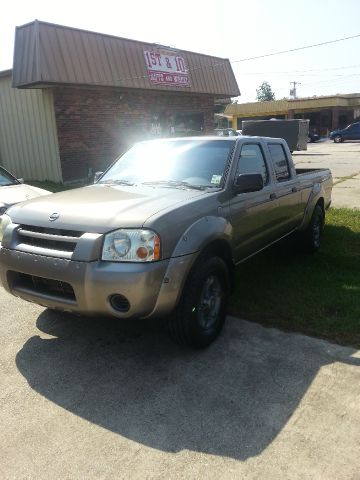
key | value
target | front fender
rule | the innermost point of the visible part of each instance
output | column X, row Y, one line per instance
column 201, row 233
column 193, row 241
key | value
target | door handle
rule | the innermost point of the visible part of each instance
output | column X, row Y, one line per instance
column 272, row 196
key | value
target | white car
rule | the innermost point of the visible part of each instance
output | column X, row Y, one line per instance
column 13, row 190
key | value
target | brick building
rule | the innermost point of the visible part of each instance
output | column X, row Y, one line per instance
column 104, row 94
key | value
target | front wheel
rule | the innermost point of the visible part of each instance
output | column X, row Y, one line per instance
column 338, row 139
column 200, row 315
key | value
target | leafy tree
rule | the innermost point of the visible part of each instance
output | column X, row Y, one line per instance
column 264, row 93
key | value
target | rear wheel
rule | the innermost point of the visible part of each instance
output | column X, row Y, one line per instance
column 338, row 139
column 200, row 315
column 311, row 237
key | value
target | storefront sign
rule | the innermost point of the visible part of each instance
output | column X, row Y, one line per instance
column 165, row 68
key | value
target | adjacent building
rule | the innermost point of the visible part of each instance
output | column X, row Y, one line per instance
column 75, row 99
column 325, row 113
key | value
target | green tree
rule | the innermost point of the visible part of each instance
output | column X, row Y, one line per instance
column 264, row 93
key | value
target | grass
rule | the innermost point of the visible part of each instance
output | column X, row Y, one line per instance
column 315, row 294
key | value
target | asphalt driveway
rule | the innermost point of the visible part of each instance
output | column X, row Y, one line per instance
column 96, row 398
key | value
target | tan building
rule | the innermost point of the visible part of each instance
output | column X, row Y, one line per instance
column 325, row 113
column 81, row 98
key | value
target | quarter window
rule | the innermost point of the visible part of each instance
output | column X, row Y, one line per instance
column 280, row 162
column 252, row 161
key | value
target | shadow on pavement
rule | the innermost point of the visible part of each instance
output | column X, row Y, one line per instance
column 231, row 399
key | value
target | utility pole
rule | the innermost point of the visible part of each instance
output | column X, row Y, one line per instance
column 293, row 90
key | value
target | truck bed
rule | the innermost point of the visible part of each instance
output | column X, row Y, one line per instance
column 304, row 171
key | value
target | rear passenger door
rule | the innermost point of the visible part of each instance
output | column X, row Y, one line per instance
column 290, row 208
column 253, row 214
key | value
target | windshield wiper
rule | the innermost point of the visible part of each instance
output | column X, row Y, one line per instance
column 116, row 182
column 175, row 184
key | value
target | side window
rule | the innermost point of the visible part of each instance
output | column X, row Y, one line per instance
column 280, row 162
column 251, row 160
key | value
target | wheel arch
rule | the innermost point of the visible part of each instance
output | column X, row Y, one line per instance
column 211, row 236
column 222, row 249
column 317, row 197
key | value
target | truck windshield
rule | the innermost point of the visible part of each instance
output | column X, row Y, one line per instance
column 173, row 163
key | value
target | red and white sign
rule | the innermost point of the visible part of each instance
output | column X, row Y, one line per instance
column 166, row 69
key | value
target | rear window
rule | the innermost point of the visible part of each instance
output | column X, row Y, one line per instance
column 280, row 162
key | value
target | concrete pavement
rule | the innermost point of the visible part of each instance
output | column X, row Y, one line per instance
column 344, row 161
column 86, row 398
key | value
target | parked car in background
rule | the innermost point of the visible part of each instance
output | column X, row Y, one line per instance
column 351, row 132
column 226, row 132
column 313, row 137
column 13, row 190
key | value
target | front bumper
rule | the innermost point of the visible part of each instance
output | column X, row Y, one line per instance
column 151, row 289
column 86, row 287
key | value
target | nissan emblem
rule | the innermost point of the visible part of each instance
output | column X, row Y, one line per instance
column 54, row 216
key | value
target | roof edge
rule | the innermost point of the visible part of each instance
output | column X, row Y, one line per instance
column 6, row 73
column 156, row 45
column 43, row 85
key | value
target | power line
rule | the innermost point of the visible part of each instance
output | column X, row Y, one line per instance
column 301, row 72
column 328, row 82
column 295, row 49
column 256, row 57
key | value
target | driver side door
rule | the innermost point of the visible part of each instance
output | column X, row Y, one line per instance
column 253, row 214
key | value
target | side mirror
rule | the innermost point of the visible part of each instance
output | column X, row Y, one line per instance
column 97, row 176
column 21, row 180
column 248, row 182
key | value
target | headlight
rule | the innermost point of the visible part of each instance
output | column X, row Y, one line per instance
column 127, row 245
column 5, row 220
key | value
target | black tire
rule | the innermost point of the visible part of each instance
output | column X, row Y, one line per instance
column 311, row 237
column 200, row 314
column 338, row 139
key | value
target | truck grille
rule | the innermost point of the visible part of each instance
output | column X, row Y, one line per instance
column 32, row 238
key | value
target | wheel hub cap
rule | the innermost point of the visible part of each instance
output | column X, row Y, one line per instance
column 210, row 302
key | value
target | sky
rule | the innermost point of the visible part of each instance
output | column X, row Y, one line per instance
column 236, row 30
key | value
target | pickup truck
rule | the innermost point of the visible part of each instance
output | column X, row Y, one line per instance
column 161, row 231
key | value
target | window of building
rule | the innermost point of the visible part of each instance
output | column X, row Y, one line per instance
column 252, row 160
column 280, row 161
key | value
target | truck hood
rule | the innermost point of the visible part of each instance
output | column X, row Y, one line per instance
column 99, row 208
column 11, row 194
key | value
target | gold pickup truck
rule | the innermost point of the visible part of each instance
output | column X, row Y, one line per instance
column 161, row 231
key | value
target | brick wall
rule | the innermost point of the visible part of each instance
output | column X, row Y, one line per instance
column 96, row 125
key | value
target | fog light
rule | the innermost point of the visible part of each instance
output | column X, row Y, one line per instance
column 119, row 303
